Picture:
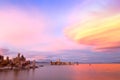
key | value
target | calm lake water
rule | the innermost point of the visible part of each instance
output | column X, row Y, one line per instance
column 69, row 72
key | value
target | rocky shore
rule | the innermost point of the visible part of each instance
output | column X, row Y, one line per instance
column 18, row 62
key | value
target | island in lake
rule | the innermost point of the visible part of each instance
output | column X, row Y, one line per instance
column 59, row 62
column 18, row 62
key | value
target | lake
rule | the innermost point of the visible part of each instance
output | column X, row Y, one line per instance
column 66, row 72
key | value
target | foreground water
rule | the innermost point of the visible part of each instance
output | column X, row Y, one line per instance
column 69, row 72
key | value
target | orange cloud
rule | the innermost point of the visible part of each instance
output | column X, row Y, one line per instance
column 100, row 33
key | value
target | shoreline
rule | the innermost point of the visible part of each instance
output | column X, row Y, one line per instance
column 79, row 65
column 18, row 62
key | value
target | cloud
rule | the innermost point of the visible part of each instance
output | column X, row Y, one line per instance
column 30, row 29
column 99, row 30
column 38, row 58
column 21, row 28
column 102, row 33
column 78, row 55
column 56, row 44
column 3, row 51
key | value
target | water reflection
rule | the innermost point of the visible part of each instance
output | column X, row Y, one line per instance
column 73, row 72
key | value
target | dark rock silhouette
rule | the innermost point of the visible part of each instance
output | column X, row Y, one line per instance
column 18, row 62
column 58, row 62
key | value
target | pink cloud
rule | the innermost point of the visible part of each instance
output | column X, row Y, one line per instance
column 20, row 28
column 37, row 58
column 57, row 44
column 28, row 29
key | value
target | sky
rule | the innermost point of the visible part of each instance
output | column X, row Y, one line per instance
column 72, row 30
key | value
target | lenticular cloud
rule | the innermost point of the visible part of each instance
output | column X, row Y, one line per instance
column 102, row 33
